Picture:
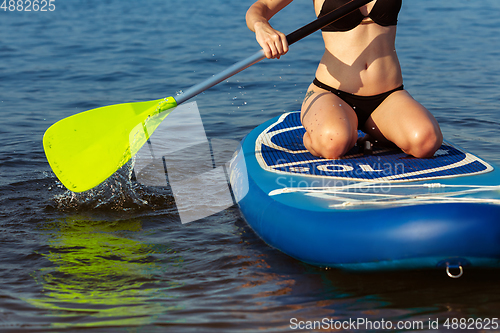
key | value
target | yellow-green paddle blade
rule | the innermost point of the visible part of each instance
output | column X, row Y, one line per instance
column 85, row 149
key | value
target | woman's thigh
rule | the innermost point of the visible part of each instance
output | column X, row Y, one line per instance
column 408, row 124
column 330, row 123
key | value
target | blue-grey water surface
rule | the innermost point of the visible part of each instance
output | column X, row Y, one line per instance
column 109, row 263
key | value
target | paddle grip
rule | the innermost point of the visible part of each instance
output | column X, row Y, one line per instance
column 325, row 20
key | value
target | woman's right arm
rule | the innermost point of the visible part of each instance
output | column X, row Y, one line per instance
column 273, row 42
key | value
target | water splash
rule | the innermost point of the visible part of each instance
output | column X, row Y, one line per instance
column 119, row 192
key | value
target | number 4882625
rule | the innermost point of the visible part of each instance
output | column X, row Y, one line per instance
column 28, row 5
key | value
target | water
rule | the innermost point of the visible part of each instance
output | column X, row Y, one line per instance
column 119, row 260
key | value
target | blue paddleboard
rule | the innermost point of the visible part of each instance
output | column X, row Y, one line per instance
column 376, row 211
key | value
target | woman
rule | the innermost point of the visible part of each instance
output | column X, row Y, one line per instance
column 358, row 82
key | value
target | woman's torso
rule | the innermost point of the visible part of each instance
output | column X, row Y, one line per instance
column 362, row 60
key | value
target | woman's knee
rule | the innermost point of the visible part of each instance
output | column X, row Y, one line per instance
column 425, row 142
column 330, row 143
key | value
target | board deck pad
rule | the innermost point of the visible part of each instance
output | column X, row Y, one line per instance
column 279, row 149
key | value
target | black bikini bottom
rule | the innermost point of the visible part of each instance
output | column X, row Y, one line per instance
column 363, row 106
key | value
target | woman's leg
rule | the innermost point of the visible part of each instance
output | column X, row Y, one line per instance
column 408, row 124
column 330, row 123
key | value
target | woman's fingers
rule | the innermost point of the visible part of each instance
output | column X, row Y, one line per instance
column 281, row 45
column 273, row 43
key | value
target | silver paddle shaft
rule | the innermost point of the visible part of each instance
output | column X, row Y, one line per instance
column 212, row 81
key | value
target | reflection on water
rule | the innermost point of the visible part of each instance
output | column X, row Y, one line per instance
column 102, row 276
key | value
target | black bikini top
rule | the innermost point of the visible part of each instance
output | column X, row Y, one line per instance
column 384, row 13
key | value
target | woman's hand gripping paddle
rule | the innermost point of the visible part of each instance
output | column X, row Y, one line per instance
column 85, row 149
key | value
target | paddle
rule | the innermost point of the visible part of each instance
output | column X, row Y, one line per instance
column 85, row 149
